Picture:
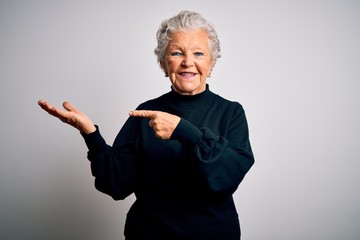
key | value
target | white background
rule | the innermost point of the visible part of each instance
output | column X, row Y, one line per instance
column 294, row 65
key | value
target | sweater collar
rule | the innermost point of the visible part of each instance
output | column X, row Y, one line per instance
column 196, row 101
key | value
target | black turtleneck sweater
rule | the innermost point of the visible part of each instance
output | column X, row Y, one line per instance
column 183, row 186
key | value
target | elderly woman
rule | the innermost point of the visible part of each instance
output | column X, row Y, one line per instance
column 183, row 154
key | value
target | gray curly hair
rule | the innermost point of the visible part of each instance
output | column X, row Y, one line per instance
column 185, row 21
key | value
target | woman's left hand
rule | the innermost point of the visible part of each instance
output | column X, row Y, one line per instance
column 162, row 123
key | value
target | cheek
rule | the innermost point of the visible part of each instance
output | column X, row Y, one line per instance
column 167, row 65
column 172, row 67
column 205, row 69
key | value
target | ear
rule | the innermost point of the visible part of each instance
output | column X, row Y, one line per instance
column 162, row 65
column 213, row 63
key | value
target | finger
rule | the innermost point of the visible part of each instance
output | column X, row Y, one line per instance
column 151, row 124
column 56, row 112
column 49, row 108
column 143, row 113
column 45, row 105
column 41, row 102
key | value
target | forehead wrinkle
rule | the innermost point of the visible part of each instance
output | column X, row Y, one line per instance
column 192, row 46
column 191, row 43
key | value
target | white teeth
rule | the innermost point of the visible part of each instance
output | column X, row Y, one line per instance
column 187, row 74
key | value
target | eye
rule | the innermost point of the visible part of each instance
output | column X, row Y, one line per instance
column 175, row 54
column 199, row 54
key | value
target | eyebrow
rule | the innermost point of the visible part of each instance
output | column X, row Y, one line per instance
column 175, row 46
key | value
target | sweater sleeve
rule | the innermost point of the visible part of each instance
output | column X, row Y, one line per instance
column 221, row 161
column 114, row 167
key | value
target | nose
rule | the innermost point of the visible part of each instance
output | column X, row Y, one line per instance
column 188, row 61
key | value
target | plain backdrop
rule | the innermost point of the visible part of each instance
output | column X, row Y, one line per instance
column 293, row 65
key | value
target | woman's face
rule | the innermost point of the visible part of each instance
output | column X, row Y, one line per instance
column 188, row 61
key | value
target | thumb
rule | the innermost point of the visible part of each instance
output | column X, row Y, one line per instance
column 68, row 106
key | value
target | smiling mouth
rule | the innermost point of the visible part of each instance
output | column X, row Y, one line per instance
column 187, row 74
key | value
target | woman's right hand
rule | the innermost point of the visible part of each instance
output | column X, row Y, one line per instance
column 70, row 115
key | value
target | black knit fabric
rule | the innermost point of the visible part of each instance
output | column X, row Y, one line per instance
column 184, row 185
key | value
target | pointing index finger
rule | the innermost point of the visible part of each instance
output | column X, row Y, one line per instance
column 143, row 113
